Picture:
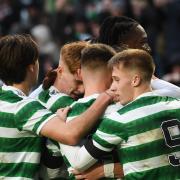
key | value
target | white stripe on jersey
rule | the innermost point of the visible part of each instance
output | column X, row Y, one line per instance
column 101, row 147
column 43, row 123
column 5, row 107
column 147, row 164
column 36, row 117
column 14, row 178
column 146, row 137
column 139, row 113
column 53, row 99
column 76, row 154
column 112, row 108
column 13, row 133
column 34, row 94
column 112, row 138
column 18, row 157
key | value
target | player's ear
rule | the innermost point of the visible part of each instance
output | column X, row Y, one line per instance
column 31, row 68
column 59, row 69
column 136, row 80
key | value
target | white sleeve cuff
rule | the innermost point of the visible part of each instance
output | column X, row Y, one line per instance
column 109, row 170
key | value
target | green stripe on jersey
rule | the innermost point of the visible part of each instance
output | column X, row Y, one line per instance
column 9, row 96
column 18, row 170
column 7, row 120
column 53, row 100
column 144, row 101
column 162, row 173
column 79, row 107
column 44, row 96
column 132, row 154
column 23, row 144
column 62, row 102
column 103, row 142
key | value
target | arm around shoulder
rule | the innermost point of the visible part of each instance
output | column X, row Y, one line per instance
column 73, row 131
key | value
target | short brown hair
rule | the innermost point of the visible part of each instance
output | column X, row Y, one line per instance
column 16, row 53
column 71, row 55
column 96, row 55
column 135, row 59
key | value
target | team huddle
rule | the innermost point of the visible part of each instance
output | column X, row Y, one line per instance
column 101, row 114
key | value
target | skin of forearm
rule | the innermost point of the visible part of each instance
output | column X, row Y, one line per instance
column 97, row 172
column 118, row 170
column 73, row 131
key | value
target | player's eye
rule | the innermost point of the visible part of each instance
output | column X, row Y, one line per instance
column 116, row 79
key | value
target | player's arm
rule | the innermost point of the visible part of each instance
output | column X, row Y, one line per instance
column 85, row 164
column 165, row 88
column 103, row 142
column 100, row 170
column 72, row 131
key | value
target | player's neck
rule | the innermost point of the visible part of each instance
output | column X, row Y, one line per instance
column 142, row 90
column 94, row 87
column 24, row 87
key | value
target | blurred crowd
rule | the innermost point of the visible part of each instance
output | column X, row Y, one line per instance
column 55, row 22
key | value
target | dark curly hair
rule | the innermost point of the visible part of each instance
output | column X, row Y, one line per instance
column 115, row 28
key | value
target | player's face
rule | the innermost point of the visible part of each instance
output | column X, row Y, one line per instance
column 141, row 39
column 121, row 85
column 69, row 83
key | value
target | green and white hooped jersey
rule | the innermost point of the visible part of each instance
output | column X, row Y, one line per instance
column 21, row 120
column 52, row 99
column 77, row 108
column 146, row 133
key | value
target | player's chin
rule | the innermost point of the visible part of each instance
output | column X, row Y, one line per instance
column 116, row 98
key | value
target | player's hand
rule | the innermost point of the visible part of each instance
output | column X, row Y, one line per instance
column 114, row 97
column 94, row 173
column 62, row 113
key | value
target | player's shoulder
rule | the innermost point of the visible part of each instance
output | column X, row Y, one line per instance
column 85, row 100
column 113, row 108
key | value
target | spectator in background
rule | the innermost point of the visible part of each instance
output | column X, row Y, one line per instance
column 147, row 15
column 171, row 26
column 160, row 19
column 49, row 52
column 80, row 29
column 62, row 22
column 9, row 15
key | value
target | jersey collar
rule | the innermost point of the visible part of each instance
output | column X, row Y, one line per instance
column 151, row 93
column 14, row 90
